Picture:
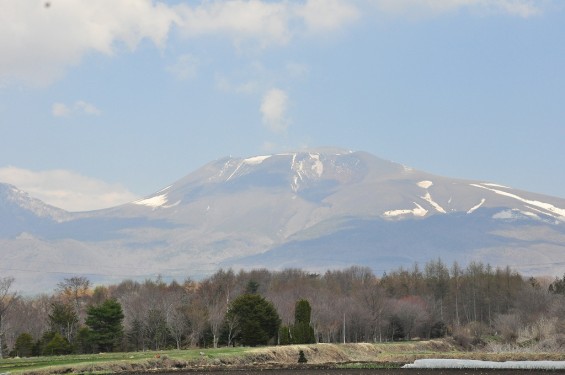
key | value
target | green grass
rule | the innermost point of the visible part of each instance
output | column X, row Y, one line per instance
column 16, row 365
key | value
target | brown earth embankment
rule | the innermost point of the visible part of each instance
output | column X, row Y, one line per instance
column 319, row 356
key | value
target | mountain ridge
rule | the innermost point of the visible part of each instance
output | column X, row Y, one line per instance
column 317, row 209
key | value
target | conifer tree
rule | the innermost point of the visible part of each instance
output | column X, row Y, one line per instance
column 302, row 331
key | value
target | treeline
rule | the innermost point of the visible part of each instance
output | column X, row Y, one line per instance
column 350, row 305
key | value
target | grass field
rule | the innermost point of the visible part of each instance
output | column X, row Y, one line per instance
column 362, row 355
column 55, row 364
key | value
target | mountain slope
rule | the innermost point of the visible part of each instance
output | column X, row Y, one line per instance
column 318, row 209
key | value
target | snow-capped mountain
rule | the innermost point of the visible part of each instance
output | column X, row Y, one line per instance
column 19, row 211
column 317, row 209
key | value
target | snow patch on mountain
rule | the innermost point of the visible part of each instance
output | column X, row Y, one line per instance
column 39, row 208
column 425, row 184
column 474, row 208
column 310, row 167
column 235, row 171
column 256, row 160
column 496, row 185
column 428, row 198
column 558, row 213
column 419, row 211
column 515, row 214
column 154, row 202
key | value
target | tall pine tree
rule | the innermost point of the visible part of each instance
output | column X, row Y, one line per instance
column 302, row 331
column 105, row 322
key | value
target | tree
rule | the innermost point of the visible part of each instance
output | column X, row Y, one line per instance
column 156, row 329
column 64, row 320
column 105, row 321
column 24, row 345
column 558, row 286
column 214, row 295
column 75, row 290
column 258, row 320
column 302, row 331
column 6, row 299
column 57, row 345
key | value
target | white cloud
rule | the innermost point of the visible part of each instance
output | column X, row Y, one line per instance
column 60, row 110
column 273, row 109
column 80, row 107
column 86, row 108
column 264, row 21
column 327, row 15
column 39, row 42
column 520, row 8
column 66, row 189
column 185, row 67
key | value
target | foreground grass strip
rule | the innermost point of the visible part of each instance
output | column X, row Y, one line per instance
column 362, row 355
column 52, row 364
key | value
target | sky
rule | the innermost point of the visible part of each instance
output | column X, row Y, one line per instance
column 103, row 102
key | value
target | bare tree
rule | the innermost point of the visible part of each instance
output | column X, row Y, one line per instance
column 411, row 314
column 215, row 294
column 7, row 298
column 28, row 315
column 75, row 290
column 375, row 301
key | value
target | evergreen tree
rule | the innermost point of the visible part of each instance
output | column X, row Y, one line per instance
column 135, row 335
column 257, row 318
column 105, row 322
column 558, row 286
column 302, row 357
column 83, row 341
column 24, row 345
column 58, row 345
column 284, row 335
column 302, row 331
column 252, row 287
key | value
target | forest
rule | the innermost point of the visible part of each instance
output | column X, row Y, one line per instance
column 476, row 306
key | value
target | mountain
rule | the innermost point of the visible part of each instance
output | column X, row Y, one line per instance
column 316, row 210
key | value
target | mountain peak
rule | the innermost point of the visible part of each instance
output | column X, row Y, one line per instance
column 12, row 198
column 316, row 209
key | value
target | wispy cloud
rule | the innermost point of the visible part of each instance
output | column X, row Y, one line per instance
column 419, row 8
column 60, row 110
column 265, row 22
column 327, row 15
column 39, row 43
column 274, row 110
column 67, row 189
column 80, row 107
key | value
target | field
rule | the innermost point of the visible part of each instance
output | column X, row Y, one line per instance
column 331, row 358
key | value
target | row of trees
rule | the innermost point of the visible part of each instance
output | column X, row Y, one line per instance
column 351, row 305
column 101, row 328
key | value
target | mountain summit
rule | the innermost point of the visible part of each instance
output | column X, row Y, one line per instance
column 313, row 209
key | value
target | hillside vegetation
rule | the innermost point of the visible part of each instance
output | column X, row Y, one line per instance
column 477, row 308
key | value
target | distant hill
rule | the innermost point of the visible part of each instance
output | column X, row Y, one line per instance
column 315, row 210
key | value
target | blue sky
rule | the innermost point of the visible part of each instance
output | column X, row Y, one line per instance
column 103, row 102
